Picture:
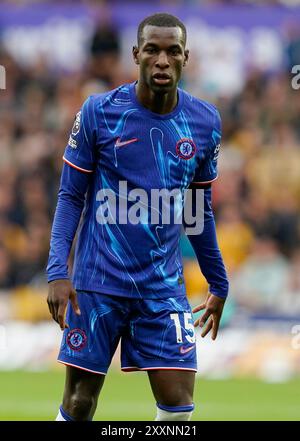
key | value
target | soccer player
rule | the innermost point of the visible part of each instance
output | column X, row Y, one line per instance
column 127, row 281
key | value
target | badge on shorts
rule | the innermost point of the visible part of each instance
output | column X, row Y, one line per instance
column 76, row 339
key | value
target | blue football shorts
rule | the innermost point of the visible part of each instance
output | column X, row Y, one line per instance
column 154, row 334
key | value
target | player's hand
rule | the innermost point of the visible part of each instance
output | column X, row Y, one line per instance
column 213, row 306
column 60, row 291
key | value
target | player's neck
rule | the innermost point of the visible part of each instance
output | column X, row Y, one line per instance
column 158, row 103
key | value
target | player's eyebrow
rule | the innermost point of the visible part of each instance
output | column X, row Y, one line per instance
column 151, row 45
column 155, row 46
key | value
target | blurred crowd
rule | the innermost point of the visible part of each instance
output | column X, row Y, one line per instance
column 168, row 2
column 256, row 198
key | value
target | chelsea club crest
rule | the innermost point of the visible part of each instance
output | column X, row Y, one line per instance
column 76, row 339
column 185, row 148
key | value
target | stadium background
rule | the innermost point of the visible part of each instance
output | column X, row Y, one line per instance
column 55, row 54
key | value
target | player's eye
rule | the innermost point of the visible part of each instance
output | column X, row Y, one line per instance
column 175, row 51
column 150, row 50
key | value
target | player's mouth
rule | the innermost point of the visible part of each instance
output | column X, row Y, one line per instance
column 161, row 78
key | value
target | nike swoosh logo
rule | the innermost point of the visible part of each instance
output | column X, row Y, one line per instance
column 185, row 350
column 120, row 143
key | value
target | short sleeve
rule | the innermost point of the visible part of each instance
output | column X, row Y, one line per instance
column 80, row 152
column 207, row 171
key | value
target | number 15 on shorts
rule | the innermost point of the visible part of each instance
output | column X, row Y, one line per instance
column 188, row 327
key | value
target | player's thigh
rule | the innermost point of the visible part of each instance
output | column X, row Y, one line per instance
column 82, row 383
column 172, row 387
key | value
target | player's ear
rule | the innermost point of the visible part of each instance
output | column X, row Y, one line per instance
column 135, row 53
column 186, row 57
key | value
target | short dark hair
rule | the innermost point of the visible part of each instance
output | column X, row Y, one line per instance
column 163, row 20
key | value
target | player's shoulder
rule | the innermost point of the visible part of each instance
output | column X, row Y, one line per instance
column 202, row 108
column 119, row 95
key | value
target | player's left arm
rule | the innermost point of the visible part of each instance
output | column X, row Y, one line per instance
column 211, row 264
column 205, row 244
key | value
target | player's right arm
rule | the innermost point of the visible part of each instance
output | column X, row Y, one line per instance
column 69, row 207
column 76, row 174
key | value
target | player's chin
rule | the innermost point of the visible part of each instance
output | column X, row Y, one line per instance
column 162, row 88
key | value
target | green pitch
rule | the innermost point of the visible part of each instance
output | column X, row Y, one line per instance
column 127, row 396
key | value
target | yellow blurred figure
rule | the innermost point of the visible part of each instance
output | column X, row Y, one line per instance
column 235, row 237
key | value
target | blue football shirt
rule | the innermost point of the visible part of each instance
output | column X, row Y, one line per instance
column 125, row 146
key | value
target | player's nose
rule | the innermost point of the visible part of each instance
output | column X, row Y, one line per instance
column 162, row 60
